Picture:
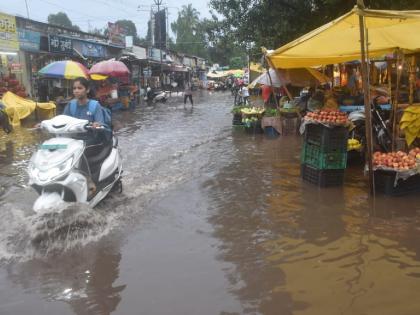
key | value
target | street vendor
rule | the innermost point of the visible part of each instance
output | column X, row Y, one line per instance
column 353, row 82
column 107, row 95
column 316, row 101
column 330, row 101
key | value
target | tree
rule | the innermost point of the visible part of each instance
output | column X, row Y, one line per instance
column 61, row 19
column 272, row 23
column 236, row 63
column 189, row 32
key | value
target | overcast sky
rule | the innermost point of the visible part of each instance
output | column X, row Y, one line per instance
column 97, row 13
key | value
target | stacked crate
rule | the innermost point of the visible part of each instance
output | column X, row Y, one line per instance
column 324, row 155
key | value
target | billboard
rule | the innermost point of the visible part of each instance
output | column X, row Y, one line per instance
column 29, row 40
column 8, row 33
column 116, row 34
column 160, row 27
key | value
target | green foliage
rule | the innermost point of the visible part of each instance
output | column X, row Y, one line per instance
column 272, row 23
column 237, row 63
column 61, row 19
column 271, row 112
column 189, row 32
column 236, row 110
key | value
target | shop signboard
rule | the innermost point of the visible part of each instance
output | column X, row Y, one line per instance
column 116, row 34
column 29, row 40
column 8, row 33
column 129, row 41
column 90, row 49
column 154, row 54
column 59, row 44
column 135, row 71
column 147, row 72
column 16, row 68
column 140, row 52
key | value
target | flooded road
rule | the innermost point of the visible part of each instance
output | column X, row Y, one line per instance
column 211, row 221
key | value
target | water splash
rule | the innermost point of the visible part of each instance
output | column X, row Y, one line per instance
column 27, row 235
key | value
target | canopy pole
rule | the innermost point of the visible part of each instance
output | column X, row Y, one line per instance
column 397, row 96
column 279, row 75
column 366, row 89
column 412, row 78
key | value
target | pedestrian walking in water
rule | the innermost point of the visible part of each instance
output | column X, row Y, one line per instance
column 188, row 94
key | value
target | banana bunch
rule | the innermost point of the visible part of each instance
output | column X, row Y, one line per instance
column 353, row 144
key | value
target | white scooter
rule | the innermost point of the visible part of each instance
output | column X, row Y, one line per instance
column 67, row 168
column 159, row 96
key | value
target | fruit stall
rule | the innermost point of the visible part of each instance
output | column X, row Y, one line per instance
column 11, row 84
column 324, row 150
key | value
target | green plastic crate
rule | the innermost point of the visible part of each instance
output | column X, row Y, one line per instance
column 314, row 156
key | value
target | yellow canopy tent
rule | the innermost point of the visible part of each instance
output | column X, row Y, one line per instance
column 235, row 72
column 339, row 40
column 18, row 108
column 255, row 69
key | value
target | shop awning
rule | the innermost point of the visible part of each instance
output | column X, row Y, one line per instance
column 339, row 40
column 296, row 77
column 176, row 68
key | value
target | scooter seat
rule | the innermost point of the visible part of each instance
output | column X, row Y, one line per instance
column 96, row 155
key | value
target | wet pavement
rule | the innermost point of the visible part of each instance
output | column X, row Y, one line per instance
column 211, row 221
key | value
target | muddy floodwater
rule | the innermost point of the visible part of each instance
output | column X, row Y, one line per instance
column 211, row 221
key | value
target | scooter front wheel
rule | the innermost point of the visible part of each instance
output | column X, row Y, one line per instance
column 48, row 202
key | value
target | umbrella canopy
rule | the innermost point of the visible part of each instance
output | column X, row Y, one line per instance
column 237, row 73
column 217, row 74
column 297, row 77
column 65, row 69
column 111, row 68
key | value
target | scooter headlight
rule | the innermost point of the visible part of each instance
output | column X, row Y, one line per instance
column 52, row 173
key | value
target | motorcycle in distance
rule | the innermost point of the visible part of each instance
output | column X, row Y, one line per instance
column 79, row 164
column 381, row 134
column 155, row 96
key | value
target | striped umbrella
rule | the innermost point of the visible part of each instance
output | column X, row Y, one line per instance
column 66, row 69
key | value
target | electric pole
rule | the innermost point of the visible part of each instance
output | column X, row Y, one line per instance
column 159, row 26
column 27, row 8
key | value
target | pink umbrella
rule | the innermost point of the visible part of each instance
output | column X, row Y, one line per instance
column 111, row 68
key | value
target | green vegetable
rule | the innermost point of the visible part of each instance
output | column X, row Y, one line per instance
column 271, row 112
column 236, row 110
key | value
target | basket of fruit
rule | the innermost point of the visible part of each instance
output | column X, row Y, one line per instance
column 396, row 173
column 327, row 117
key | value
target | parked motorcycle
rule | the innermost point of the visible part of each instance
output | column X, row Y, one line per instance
column 80, row 164
column 381, row 135
column 155, row 96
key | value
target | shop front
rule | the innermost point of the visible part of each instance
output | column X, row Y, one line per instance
column 11, row 60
